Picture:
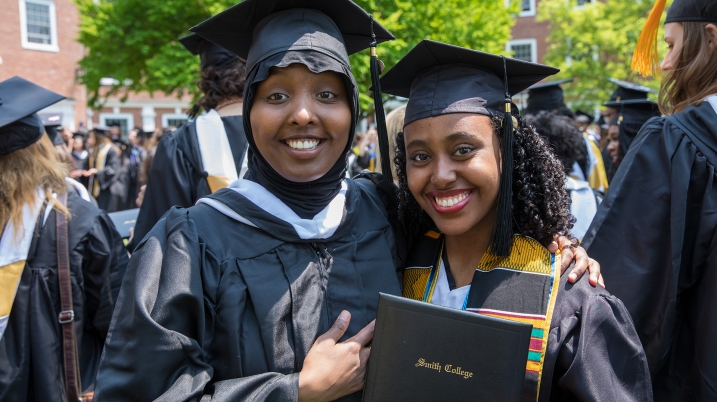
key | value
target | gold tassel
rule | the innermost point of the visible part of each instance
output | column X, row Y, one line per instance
column 645, row 58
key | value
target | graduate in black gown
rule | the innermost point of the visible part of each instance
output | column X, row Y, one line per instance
column 225, row 300
column 495, row 192
column 660, row 214
column 103, row 170
column 31, row 353
column 205, row 154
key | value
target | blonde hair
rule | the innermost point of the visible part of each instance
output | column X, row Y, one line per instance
column 23, row 171
column 394, row 125
column 694, row 76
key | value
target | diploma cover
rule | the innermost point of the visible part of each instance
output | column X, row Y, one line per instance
column 124, row 220
column 425, row 352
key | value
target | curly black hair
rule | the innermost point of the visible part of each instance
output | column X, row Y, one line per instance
column 541, row 204
column 562, row 135
column 219, row 82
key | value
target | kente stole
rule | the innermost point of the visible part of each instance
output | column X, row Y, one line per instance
column 522, row 287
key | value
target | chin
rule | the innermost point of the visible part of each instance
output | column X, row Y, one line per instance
column 452, row 227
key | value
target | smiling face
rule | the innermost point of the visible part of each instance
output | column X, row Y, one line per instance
column 674, row 35
column 300, row 121
column 453, row 170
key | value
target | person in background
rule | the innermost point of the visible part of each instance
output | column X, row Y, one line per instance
column 137, row 155
column 102, row 169
column 549, row 97
column 79, row 155
column 613, row 149
column 665, row 192
column 365, row 152
column 34, row 195
column 394, row 125
column 565, row 139
column 206, row 154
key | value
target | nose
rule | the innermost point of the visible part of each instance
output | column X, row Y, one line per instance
column 303, row 113
column 666, row 64
column 444, row 173
column 612, row 146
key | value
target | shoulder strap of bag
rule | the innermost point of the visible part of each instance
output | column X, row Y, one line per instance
column 67, row 315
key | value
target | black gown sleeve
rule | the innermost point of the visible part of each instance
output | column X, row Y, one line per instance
column 103, row 267
column 593, row 352
column 159, row 338
column 170, row 182
column 107, row 175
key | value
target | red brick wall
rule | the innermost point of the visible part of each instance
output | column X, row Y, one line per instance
column 528, row 28
column 52, row 70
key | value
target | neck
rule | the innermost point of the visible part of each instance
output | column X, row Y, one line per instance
column 230, row 107
column 465, row 251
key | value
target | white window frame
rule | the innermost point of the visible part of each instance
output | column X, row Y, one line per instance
column 128, row 116
column 167, row 116
column 530, row 41
column 581, row 6
column 54, row 46
column 529, row 13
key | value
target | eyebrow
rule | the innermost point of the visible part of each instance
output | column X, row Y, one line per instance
column 460, row 135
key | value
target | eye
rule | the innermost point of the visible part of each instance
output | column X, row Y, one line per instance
column 463, row 151
column 277, row 97
column 420, row 157
column 326, row 95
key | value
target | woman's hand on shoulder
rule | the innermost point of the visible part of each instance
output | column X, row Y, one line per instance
column 571, row 252
column 333, row 369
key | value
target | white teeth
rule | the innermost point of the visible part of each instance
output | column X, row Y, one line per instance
column 451, row 201
column 303, row 144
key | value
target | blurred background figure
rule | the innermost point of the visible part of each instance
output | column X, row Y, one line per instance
column 137, row 154
column 37, row 209
column 566, row 141
column 549, row 97
column 102, row 170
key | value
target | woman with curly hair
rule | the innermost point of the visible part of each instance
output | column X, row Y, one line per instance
column 485, row 194
column 665, row 190
column 206, row 154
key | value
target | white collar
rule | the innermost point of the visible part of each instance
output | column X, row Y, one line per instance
column 321, row 226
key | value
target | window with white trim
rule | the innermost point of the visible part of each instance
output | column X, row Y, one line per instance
column 527, row 7
column 38, row 24
column 583, row 2
column 125, row 121
column 174, row 120
column 524, row 49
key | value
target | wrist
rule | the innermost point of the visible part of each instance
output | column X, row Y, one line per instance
column 308, row 392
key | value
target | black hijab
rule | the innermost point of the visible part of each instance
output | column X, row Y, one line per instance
column 311, row 38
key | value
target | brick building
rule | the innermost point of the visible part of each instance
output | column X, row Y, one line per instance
column 38, row 44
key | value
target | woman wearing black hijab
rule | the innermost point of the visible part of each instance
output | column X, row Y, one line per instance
column 234, row 299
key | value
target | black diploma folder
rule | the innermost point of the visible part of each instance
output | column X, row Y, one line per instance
column 424, row 352
column 124, row 220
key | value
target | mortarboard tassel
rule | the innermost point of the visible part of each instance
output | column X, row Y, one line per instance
column 502, row 237
column 376, row 70
column 645, row 58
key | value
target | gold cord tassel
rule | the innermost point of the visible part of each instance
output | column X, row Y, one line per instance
column 645, row 58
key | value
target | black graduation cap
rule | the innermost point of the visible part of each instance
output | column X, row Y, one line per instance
column 585, row 117
column 20, row 126
column 51, row 122
column 628, row 90
column 100, row 129
column 692, row 10
column 439, row 79
column 645, row 58
column 209, row 53
column 546, row 96
column 245, row 30
column 634, row 113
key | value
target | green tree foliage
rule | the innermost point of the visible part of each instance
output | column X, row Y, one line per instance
column 135, row 41
column 594, row 42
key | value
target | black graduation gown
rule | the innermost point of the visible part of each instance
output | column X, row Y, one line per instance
column 177, row 177
column 656, row 239
column 593, row 352
column 31, row 348
column 214, row 307
column 110, row 181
